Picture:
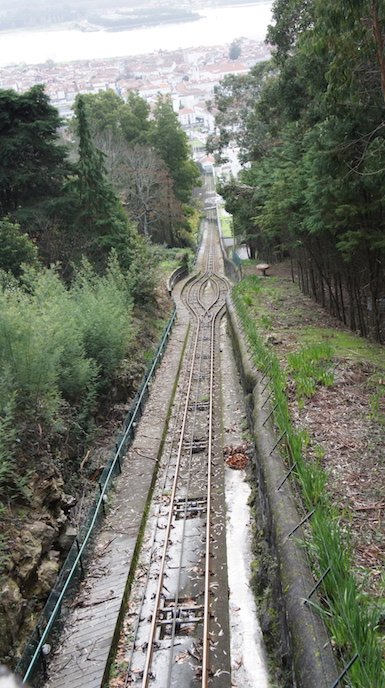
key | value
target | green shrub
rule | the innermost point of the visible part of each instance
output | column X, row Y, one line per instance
column 142, row 273
column 63, row 344
column 15, row 248
column 102, row 309
column 28, row 354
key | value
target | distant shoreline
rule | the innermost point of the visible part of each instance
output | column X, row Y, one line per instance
column 127, row 20
column 219, row 25
column 143, row 25
column 88, row 27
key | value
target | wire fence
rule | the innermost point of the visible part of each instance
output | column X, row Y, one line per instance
column 233, row 267
column 52, row 620
column 351, row 624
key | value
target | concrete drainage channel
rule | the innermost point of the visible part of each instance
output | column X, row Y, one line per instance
column 298, row 636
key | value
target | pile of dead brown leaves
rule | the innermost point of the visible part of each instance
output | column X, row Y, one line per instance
column 235, row 457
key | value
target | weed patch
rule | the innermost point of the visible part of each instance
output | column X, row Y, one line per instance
column 310, row 366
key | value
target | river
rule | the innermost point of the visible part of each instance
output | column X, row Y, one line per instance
column 217, row 26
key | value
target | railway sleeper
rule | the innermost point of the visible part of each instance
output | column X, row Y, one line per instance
column 199, row 406
column 203, row 376
column 195, row 446
column 190, row 508
column 180, row 616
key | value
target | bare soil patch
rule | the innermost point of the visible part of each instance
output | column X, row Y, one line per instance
column 345, row 421
column 339, row 422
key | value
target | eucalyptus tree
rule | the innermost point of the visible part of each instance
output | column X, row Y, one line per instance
column 108, row 114
column 235, row 100
column 290, row 19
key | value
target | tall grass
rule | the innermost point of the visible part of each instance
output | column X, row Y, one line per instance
column 102, row 307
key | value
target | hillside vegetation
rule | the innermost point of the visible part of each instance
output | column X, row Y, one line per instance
column 310, row 129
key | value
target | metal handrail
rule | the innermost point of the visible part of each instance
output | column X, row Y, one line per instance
column 135, row 411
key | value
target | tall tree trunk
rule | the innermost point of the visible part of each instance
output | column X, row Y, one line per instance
column 342, row 300
column 362, row 319
column 336, row 294
column 352, row 312
column 379, row 38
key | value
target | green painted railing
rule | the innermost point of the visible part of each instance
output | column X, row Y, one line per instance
column 52, row 619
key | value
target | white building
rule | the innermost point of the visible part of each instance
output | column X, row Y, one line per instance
column 187, row 117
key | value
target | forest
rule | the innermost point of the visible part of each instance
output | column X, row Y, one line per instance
column 310, row 128
column 88, row 213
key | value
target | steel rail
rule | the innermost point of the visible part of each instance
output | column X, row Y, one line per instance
column 195, row 302
column 206, row 604
column 211, row 277
column 193, row 284
column 177, row 589
column 141, row 605
column 169, row 523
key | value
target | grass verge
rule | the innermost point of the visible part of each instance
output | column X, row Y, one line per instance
column 351, row 616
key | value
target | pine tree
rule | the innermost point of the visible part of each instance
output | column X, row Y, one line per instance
column 32, row 164
column 235, row 50
column 98, row 207
column 100, row 216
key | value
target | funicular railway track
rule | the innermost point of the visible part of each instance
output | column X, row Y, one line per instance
column 163, row 538
column 180, row 635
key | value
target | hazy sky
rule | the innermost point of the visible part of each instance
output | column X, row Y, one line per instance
column 14, row 4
